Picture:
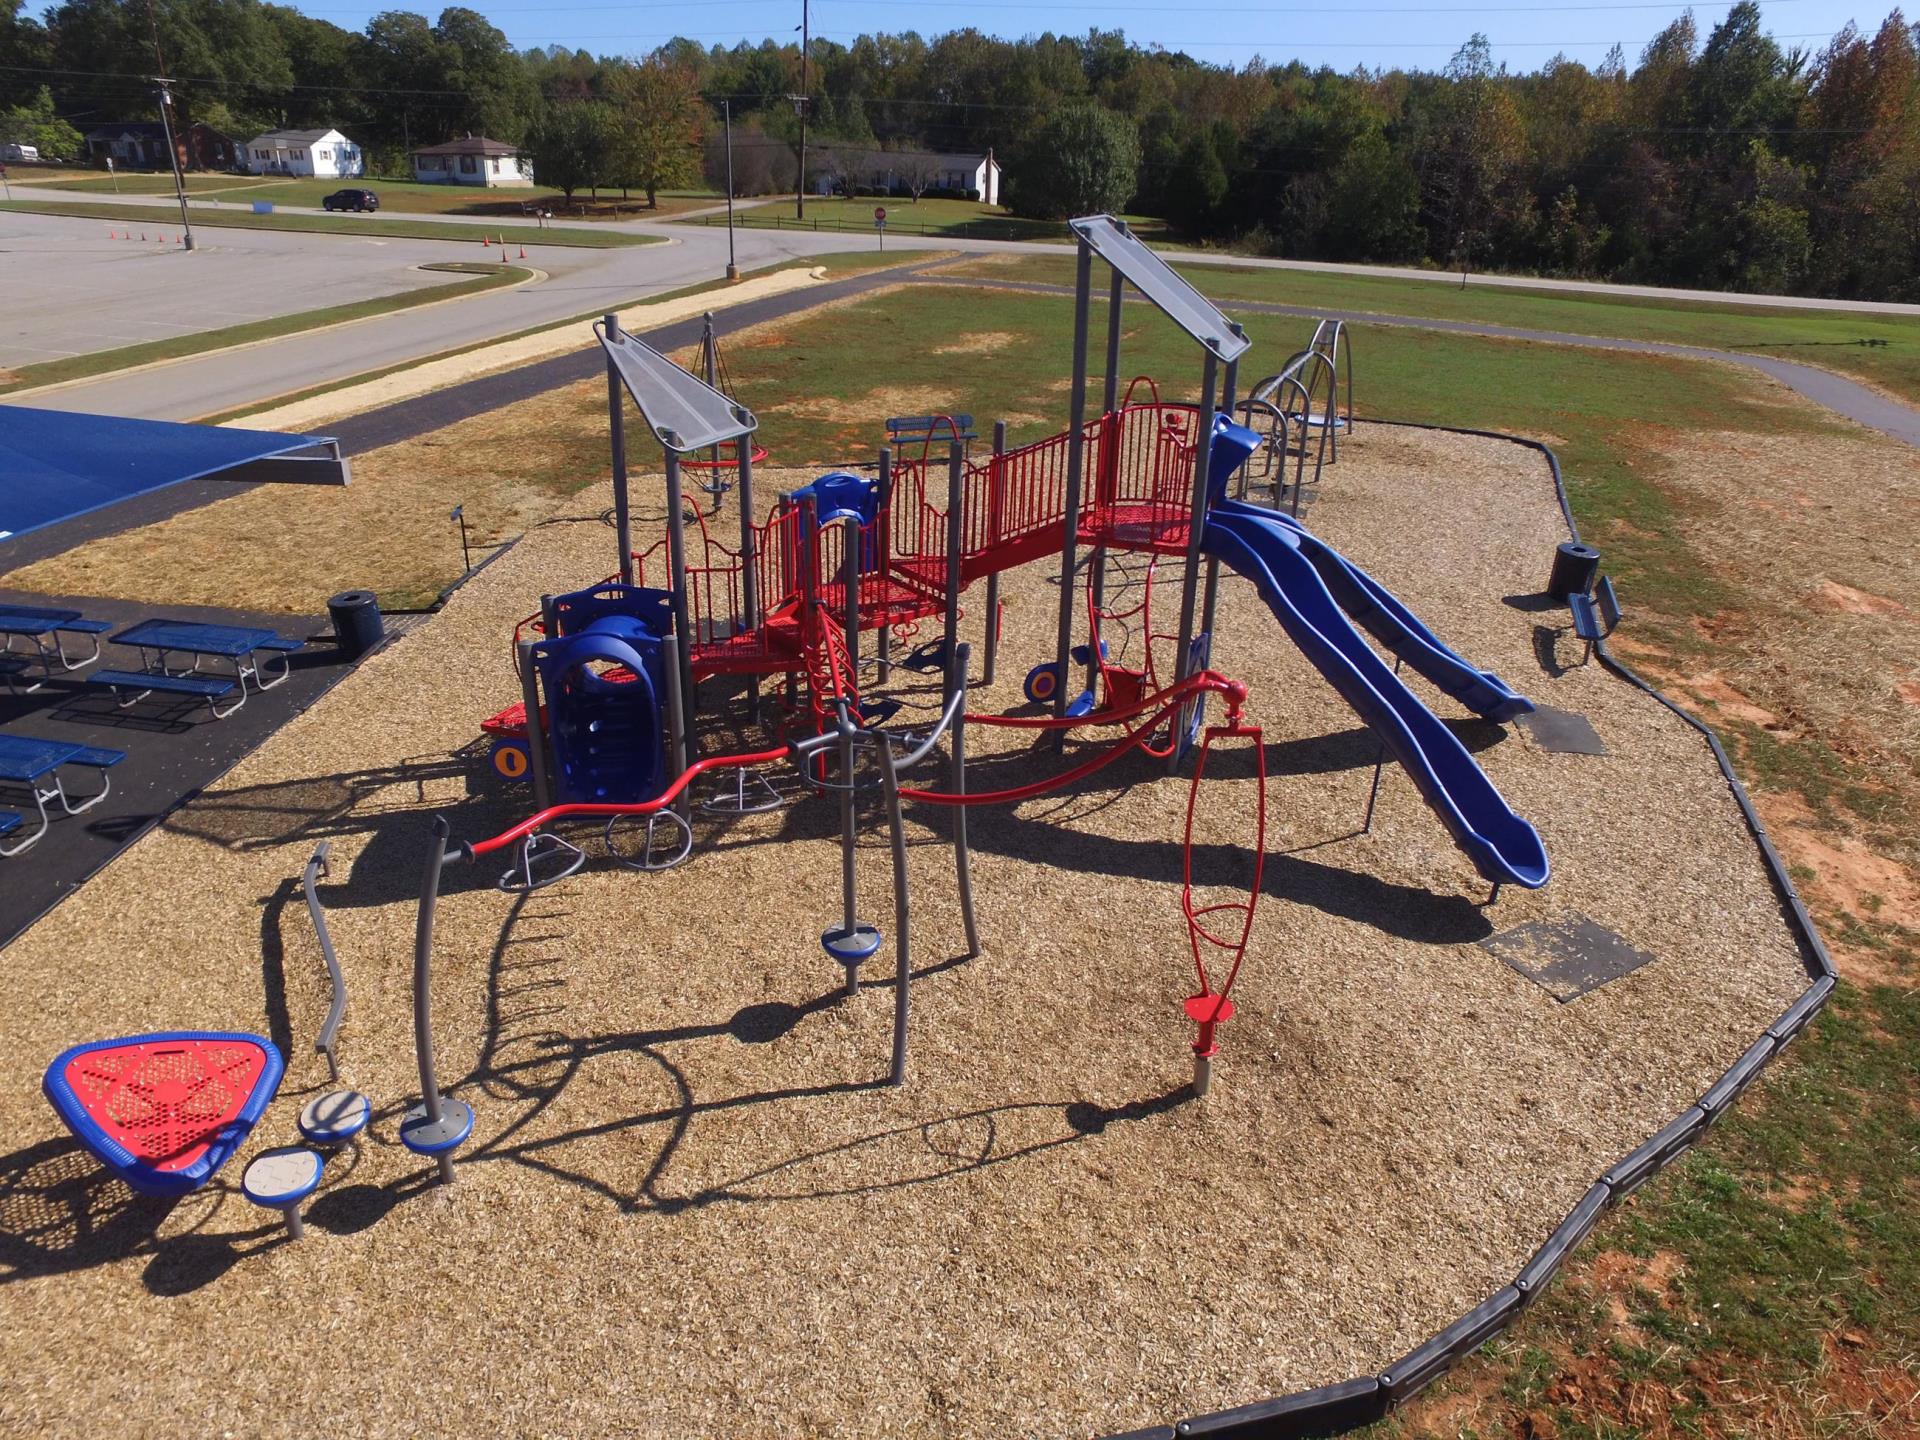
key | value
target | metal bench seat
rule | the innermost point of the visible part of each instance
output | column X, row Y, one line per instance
column 143, row 683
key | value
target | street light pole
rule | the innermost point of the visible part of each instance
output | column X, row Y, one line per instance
column 726, row 110
column 179, row 176
column 800, row 184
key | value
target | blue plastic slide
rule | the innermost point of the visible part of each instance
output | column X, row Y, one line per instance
column 1503, row 847
column 1372, row 605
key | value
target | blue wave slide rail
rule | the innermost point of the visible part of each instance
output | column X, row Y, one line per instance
column 1279, row 557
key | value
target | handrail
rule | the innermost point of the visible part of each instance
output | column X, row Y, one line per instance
column 323, row 1043
column 472, row 850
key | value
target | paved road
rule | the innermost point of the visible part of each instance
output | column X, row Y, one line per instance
column 825, row 242
column 70, row 290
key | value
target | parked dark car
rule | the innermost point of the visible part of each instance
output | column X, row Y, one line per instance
column 351, row 200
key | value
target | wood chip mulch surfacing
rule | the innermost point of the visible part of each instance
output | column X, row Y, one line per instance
column 689, row 1210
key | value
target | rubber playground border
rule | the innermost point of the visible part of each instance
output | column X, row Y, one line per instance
column 1335, row 1409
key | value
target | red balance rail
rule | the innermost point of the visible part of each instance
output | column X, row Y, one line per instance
column 585, row 810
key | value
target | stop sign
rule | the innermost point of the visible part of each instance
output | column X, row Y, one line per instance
column 879, row 212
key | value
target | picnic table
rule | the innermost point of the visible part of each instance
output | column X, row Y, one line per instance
column 43, row 629
column 30, row 763
column 239, row 647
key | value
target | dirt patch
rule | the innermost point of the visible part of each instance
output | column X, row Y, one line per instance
column 1849, row 601
column 873, row 407
column 1908, row 691
column 1715, row 693
column 978, row 342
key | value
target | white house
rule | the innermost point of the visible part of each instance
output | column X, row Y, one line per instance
column 900, row 171
column 324, row 154
column 473, row 160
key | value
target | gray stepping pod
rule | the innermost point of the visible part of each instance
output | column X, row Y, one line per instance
column 281, row 1180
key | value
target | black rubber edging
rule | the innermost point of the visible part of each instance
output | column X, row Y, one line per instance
column 1336, row 1409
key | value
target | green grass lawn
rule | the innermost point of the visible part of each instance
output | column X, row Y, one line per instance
column 235, row 217
column 100, row 362
column 403, row 197
column 952, row 219
column 1881, row 349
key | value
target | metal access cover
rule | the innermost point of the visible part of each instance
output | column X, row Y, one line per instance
column 1563, row 732
column 1567, row 957
column 1114, row 243
column 684, row 412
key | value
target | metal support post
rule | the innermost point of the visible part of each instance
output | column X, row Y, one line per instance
column 749, row 575
column 1210, row 602
column 996, row 499
column 962, row 860
column 903, row 958
column 1190, row 586
column 676, row 719
column 883, row 541
column 536, row 732
column 439, row 1123
column 1116, row 298
column 677, row 560
column 1076, row 463
column 617, row 430
column 956, row 503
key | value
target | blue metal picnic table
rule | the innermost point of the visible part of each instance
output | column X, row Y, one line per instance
column 239, row 645
column 40, row 626
column 27, row 762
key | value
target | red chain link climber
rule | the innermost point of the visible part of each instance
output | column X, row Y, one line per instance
column 1210, row 1007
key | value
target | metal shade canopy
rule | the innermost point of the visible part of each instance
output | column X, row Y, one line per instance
column 683, row 412
column 56, row 464
column 1113, row 242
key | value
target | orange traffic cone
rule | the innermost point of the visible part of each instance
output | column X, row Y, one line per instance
column 523, row 252
column 179, row 239
column 484, row 240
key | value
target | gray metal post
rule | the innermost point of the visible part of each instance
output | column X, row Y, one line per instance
column 996, row 499
column 617, row 432
column 962, row 861
column 1210, row 603
column 1115, row 300
column 437, row 1118
column 883, row 541
column 676, row 718
column 850, row 584
column 1076, row 462
column 956, row 501
column 903, row 960
column 536, row 732
column 1196, row 516
column 749, row 578
column 849, row 840
column 677, row 560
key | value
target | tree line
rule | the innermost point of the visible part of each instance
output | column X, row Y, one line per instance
column 1716, row 160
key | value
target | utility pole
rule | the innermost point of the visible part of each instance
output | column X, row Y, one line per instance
column 165, row 97
column 806, row 91
column 179, row 177
column 726, row 110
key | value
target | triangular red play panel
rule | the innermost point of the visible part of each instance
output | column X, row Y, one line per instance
column 165, row 1111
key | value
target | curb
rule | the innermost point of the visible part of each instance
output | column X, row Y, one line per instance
column 1336, row 1409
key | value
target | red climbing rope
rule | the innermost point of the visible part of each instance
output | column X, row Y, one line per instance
column 1210, row 1006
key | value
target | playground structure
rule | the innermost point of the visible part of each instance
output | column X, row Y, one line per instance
column 1301, row 409
column 1328, row 963
column 610, row 714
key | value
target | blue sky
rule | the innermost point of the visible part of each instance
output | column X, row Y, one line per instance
column 1405, row 33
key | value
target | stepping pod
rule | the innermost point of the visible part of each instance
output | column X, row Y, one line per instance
column 335, row 1118
column 282, row 1179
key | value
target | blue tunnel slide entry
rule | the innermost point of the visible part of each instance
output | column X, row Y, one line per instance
column 1306, row 583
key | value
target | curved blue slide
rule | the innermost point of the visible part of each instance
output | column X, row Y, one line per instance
column 1274, row 555
column 1371, row 604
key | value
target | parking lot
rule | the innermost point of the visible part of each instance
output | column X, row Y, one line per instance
column 70, row 290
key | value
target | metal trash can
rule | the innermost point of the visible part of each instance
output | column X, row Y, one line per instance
column 357, row 626
column 1575, row 568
